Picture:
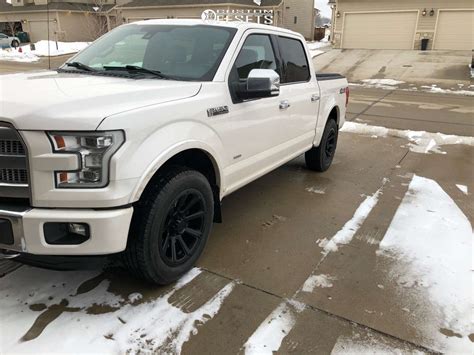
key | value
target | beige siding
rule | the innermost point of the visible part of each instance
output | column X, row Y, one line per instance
column 380, row 30
column 426, row 24
column 450, row 25
column 77, row 27
column 303, row 12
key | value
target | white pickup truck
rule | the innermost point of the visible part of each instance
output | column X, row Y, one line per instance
column 130, row 146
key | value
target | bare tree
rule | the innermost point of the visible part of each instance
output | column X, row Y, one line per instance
column 95, row 23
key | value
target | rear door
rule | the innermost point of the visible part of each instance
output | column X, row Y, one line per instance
column 300, row 89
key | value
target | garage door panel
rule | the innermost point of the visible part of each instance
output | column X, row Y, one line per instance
column 386, row 30
column 455, row 30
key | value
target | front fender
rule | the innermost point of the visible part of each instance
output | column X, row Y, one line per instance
column 171, row 140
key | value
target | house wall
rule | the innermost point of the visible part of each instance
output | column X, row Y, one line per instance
column 35, row 23
column 426, row 26
column 303, row 12
column 78, row 27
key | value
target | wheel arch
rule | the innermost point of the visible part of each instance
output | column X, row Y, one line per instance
column 194, row 156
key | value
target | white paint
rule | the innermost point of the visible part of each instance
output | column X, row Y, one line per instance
column 431, row 235
column 135, row 326
column 463, row 189
column 321, row 281
column 420, row 141
column 345, row 235
column 271, row 332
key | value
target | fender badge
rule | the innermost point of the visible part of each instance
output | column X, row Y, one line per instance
column 216, row 111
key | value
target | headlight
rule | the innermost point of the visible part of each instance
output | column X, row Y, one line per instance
column 94, row 149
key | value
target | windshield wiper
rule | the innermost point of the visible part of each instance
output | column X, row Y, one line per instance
column 137, row 69
column 81, row 66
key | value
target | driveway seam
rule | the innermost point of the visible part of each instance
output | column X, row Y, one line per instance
column 372, row 105
column 329, row 314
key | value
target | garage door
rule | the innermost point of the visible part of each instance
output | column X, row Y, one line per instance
column 381, row 30
column 455, row 30
column 39, row 30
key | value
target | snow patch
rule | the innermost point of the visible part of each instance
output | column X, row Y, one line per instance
column 316, row 190
column 271, row 332
column 126, row 326
column 345, row 235
column 315, row 47
column 367, row 344
column 464, row 189
column 376, row 82
column 322, row 281
column 420, row 141
column 41, row 50
column 431, row 235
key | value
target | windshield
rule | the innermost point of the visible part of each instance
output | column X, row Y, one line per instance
column 178, row 52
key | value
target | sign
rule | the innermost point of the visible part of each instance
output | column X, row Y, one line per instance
column 264, row 17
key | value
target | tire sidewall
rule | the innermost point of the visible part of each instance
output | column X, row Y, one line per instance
column 325, row 161
column 157, row 216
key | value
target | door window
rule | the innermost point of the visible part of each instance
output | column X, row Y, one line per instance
column 256, row 53
column 295, row 63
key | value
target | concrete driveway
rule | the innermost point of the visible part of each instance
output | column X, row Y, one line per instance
column 373, row 256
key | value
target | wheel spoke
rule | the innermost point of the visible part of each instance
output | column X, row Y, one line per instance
column 194, row 216
column 191, row 203
column 166, row 243
column 193, row 232
column 173, row 250
column 186, row 250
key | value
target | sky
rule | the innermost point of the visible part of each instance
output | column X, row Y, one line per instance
column 323, row 6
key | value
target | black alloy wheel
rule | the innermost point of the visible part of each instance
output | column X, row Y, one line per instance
column 183, row 228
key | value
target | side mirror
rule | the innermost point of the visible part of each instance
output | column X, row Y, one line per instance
column 260, row 83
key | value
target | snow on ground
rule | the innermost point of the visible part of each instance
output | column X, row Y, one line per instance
column 463, row 188
column 345, row 235
column 41, row 50
column 316, row 190
column 391, row 84
column 322, row 281
column 431, row 235
column 367, row 344
column 315, row 47
column 271, row 332
column 129, row 325
column 420, row 141
column 13, row 55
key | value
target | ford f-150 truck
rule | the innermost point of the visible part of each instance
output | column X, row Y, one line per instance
column 131, row 145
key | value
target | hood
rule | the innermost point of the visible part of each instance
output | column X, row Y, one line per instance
column 50, row 100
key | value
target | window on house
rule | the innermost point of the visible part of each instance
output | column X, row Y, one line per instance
column 296, row 20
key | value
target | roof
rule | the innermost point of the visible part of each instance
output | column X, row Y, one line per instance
column 157, row 3
column 232, row 24
column 53, row 6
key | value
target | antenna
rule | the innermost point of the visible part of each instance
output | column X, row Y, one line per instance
column 47, row 21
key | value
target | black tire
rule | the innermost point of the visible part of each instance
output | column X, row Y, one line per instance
column 152, row 252
column 320, row 158
column 15, row 43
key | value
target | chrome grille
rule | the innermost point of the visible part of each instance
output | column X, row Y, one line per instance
column 13, row 164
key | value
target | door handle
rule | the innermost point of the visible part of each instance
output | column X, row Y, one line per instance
column 285, row 104
column 315, row 98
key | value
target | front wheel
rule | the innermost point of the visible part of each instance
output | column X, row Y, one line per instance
column 170, row 226
column 320, row 158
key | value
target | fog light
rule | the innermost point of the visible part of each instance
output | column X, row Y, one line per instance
column 66, row 233
column 79, row 228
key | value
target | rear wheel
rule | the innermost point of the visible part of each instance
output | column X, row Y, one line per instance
column 171, row 226
column 320, row 158
column 15, row 43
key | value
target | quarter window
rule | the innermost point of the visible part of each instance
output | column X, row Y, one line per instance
column 256, row 53
column 295, row 63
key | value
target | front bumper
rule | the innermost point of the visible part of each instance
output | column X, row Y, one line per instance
column 23, row 229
